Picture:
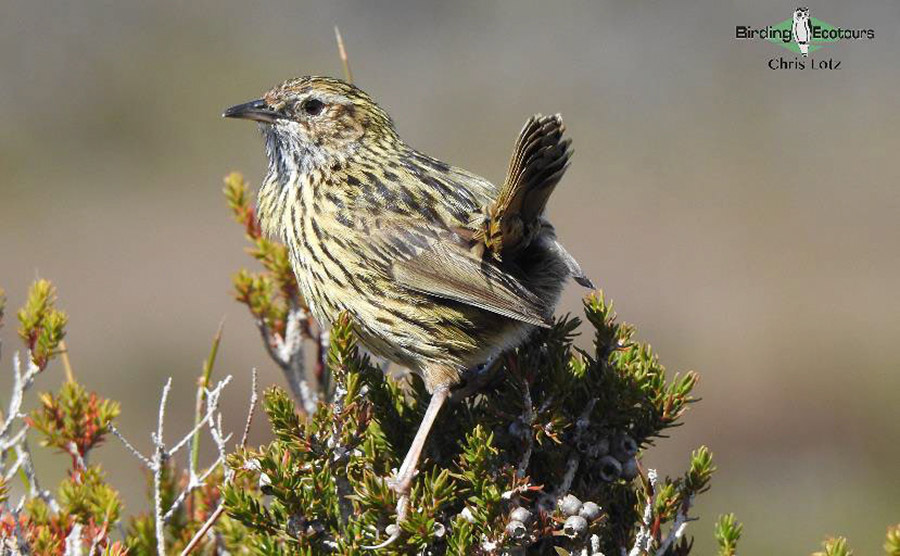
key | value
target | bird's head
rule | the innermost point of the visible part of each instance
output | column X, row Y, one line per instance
column 310, row 121
column 801, row 14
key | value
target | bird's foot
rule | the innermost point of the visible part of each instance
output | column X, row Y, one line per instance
column 393, row 531
column 401, row 485
column 402, row 481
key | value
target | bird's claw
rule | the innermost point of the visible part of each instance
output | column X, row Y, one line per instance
column 393, row 531
column 401, row 486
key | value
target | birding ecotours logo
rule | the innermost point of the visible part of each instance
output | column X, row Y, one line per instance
column 803, row 34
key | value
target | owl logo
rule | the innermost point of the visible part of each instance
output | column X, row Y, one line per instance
column 801, row 30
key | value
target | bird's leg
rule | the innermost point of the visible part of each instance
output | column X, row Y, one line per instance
column 402, row 481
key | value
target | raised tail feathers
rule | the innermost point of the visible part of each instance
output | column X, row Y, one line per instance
column 539, row 161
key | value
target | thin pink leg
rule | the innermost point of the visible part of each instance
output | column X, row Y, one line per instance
column 407, row 471
column 402, row 482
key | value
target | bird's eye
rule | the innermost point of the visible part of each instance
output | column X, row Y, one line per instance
column 313, row 106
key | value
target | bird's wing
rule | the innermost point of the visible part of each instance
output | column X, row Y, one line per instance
column 427, row 258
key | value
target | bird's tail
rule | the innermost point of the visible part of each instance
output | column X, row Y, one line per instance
column 539, row 160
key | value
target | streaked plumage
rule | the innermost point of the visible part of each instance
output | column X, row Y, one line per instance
column 439, row 268
column 412, row 248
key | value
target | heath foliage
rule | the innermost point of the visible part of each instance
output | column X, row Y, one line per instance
column 544, row 456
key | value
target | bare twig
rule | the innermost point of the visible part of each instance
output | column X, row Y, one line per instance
column 218, row 436
column 644, row 537
column 20, row 545
column 288, row 353
column 201, row 533
column 581, row 426
column 214, row 419
column 254, row 398
column 73, row 541
column 678, row 528
column 6, row 444
column 292, row 341
column 134, row 451
column 211, row 407
column 528, row 421
column 195, row 541
column 323, row 374
column 21, row 383
column 18, row 441
column 23, row 453
column 193, row 484
column 158, row 460
column 269, row 343
column 156, row 463
column 345, row 61
column 79, row 462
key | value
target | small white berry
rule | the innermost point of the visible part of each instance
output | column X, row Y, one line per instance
column 265, row 483
column 520, row 514
column 516, row 530
column 466, row 514
column 575, row 526
column 569, row 505
column 590, row 511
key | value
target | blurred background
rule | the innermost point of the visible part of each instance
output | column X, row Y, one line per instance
column 746, row 220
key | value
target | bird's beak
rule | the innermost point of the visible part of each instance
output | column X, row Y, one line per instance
column 254, row 110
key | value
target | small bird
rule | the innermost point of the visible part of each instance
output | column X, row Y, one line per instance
column 801, row 29
column 439, row 269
